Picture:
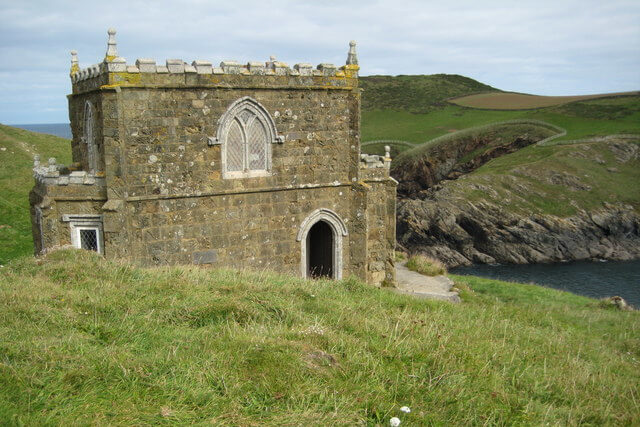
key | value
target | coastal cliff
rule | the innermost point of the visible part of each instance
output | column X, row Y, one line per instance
column 461, row 234
column 537, row 204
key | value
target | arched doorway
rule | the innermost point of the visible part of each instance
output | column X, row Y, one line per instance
column 320, row 236
column 320, row 251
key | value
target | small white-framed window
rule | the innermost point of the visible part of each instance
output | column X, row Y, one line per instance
column 88, row 238
column 86, row 231
column 246, row 132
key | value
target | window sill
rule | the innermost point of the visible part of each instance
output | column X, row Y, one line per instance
column 248, row 174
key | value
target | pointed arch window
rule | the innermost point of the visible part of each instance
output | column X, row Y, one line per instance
column 88, row 137
column 246, row 132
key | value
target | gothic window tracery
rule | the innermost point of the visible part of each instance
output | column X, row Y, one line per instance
column 246, row 132
column 88, row 137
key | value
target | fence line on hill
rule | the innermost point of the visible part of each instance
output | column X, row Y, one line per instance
column 546, row 142
column 387, row 141
column 476, row 129
column 600, row 138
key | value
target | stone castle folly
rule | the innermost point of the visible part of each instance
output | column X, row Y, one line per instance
column 253, row 166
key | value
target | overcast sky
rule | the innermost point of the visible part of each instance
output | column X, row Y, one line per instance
column 558, row 47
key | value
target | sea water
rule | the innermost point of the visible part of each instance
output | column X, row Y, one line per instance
column 592, row 279
column 63, row 130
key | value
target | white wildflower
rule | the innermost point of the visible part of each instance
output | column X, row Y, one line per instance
column 395, row 422
column 313, row 330
column 405, row 409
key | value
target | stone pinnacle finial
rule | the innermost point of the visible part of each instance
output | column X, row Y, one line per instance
column 74, row 62
column 112, row 48
column 352, row 58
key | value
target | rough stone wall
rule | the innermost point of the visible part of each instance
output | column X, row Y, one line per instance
column 166, row 133
column 79, row 149
column 247, row 230
column 157, row 159
column 50, row 202
column 380, row 236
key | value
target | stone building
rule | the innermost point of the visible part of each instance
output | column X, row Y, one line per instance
column 252, row 166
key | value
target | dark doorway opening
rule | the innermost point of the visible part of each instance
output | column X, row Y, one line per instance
column 320, row 251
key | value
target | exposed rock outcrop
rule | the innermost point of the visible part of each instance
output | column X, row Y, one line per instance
column 449, row 160
column 436, row 216
column 461, row 234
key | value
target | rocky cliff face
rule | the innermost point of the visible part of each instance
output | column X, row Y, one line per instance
column 447, row 162
column 444, row 217
column 461, row 234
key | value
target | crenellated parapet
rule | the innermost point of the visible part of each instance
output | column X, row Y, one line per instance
column 373, row 161
column 53, row 174
column 114, row 71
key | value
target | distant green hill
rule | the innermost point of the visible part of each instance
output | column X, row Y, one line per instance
column 416, row 94
column 414, row 109
column 87, row 341
column 17, row 148
column 470, row 180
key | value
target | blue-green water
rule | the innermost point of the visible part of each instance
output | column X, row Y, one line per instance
column 63, row 130
column 592, row 279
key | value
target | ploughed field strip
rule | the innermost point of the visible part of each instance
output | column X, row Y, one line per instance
column 521, row 101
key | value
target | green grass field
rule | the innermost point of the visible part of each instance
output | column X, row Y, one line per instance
column 87, row 341
column 419, row 128
column 17, row 148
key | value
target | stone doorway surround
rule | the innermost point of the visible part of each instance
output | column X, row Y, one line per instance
column 339, row 230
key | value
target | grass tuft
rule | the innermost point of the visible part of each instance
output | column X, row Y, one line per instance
column 426, row 265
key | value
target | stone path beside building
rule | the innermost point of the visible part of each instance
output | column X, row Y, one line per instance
column 421, row 286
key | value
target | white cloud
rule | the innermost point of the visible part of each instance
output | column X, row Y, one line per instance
column 545, row 47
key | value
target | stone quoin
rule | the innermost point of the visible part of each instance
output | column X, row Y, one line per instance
column 252, row 166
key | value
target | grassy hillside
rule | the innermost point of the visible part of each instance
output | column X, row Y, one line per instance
column 417, row 94
column 481, row 138
column 86, row 341
column 397, row 120
column 520, row 101
column 17, row 148
column 557, row 180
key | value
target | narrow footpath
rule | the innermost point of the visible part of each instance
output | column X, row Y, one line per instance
column 421, row 286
